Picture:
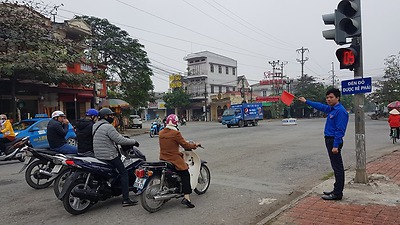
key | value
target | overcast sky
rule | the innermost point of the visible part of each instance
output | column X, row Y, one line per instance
column 252, row 32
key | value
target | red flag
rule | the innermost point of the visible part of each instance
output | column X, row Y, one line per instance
column 287, row 98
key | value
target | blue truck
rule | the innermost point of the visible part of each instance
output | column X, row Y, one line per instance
column 242, row 115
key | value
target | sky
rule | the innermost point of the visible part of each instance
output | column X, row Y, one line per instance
column 253, row 32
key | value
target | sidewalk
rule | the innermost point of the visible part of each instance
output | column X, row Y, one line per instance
column 377, row 202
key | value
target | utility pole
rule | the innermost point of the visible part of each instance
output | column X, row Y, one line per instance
column 333, row 76
column 284, row 63
column 205, row 101
column 303, row 59
column 273, row 64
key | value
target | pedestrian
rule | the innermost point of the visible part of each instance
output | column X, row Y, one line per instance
column 7, row 131
column 394, row 121
column 169, row 139
column 84, row 133
column 335, row 129
column 57, row 129
column 105, row 140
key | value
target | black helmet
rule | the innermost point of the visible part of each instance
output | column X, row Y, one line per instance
column 105, row 111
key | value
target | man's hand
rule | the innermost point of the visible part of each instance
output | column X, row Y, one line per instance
column 65, row 121
column 302, row 99
column 136, row 144
column 335, row 150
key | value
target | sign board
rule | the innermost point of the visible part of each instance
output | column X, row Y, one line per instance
column 357, row 86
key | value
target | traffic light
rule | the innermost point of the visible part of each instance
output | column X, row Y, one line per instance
column 349, row 57
column 347, row 21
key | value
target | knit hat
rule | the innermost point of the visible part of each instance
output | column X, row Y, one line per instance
column 394, row 112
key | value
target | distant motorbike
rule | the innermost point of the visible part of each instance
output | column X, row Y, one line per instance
column 13, row 149
column 155, row 129
column 183, row 121
column 93, row 180
column 160, row 181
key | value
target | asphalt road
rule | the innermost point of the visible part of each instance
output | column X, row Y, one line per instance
column 254, row 171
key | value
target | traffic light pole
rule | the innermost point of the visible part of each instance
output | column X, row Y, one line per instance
column 361, row 172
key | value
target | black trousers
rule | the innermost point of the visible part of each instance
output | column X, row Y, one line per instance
column 337, row 166
column 117, row 163
column 3, row 141
column 186, row 188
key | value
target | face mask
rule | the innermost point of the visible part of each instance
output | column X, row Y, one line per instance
column 109, row 119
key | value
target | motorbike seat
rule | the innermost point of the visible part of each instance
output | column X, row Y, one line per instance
column 46, row 151
column 160, row 163
column 9, row 144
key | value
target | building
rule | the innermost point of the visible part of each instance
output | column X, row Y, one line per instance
column 209, row 75
column 33, row 96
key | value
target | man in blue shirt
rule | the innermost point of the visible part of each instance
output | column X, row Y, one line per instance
column 335, row 129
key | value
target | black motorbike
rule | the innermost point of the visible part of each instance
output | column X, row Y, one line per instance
column 93, row 180
column 13, row 149
column 43, row 166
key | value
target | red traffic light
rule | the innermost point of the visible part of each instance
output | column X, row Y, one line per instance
column 348, row 57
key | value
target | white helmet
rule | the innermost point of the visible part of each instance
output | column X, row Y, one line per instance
column 57, row 114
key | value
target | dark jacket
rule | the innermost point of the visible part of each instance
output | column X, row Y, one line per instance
column 84, row 136
column 56, row 132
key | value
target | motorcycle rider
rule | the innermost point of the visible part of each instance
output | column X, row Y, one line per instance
column 84, row 133
column 105, row 138
column 7, row 131
column 169, row 139
column 57, row 129
column 158, row 121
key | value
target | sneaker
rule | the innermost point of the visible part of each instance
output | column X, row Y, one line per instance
column 187, row 203
column 129, row 202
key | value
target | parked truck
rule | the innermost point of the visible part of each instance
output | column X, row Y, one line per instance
column 242, row 115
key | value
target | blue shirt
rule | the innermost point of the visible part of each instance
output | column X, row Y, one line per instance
column 336, row 120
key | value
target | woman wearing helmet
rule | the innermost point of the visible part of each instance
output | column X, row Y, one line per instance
column 105, row 138
column 84, row 132
column 170, row 138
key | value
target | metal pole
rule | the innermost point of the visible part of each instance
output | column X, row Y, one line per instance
column 361, row 172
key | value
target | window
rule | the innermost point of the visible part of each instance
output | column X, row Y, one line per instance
column 220, row 89
column 227, row 70
column 227, row 89
column 212, row 68
column 264, row 93
column 219, row 69
column 233, row 71
column 233, row 89
column 212, row 89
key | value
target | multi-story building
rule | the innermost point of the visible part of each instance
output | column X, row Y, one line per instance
column 209, row 74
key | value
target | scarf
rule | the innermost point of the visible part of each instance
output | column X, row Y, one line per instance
column 171, row 127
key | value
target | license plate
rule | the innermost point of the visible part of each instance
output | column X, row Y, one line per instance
column 139, row 183
column 27, row 159
column 56, row 169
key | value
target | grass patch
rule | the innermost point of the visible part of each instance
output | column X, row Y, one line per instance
column 329, row 175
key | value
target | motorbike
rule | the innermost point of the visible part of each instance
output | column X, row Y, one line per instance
column 93, row 180
column 154, row 129
column 160, row 182
column 13, row 149
column 183, row 121
column 42, row 166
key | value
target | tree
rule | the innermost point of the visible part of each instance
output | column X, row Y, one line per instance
column 388, row 89
column 125, row 59
column 310, row 89
column 178, row 98
column 29, row 48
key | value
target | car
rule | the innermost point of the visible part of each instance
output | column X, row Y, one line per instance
column 36, row 129
column 135, row 121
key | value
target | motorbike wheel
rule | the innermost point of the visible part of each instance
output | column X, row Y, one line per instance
column 152, row 133
column 75, row 205
column 32, row 176
column 60, row 180
column 203, row 180
column 147, row 197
